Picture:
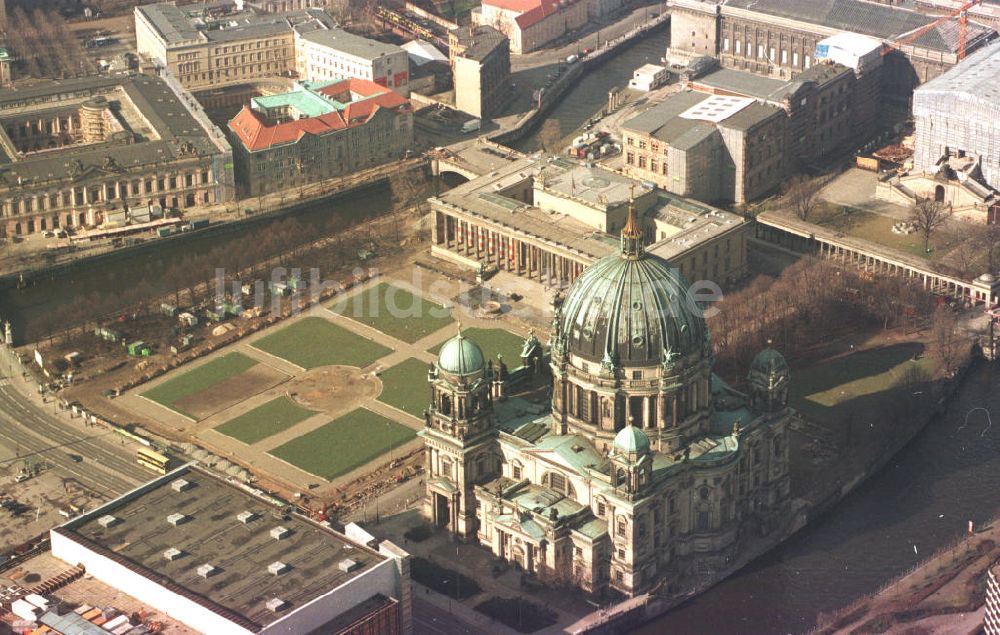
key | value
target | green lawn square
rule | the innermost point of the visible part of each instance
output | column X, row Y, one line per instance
column 394, row 311
column 829, row 391
column 405, row 386
column 315, row 341
column 205, row 376
column 270, row 418
column 344, row 443
column 494, row 341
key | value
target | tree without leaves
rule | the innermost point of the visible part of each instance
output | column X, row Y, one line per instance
column 928, row 216
column 989, row 240
column 549, row 135
column 802, row 195
column 947, row 340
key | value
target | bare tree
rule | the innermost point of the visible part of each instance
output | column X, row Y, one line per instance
column 928, row 216
column 802, row 195
column 549, row 135
column 947, row 341
column 989, row 241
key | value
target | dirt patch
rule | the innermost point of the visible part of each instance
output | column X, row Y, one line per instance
column 333, row 389
column 230, row 392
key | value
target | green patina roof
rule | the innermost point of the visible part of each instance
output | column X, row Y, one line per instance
column 631, row 311
column 593, row 529
column 632, row 440
column 461, row 356
column 769, row 361
column 306, row 102
column 307, row 99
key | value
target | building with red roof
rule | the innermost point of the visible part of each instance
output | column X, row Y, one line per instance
column 531, row 24
column 316, row 132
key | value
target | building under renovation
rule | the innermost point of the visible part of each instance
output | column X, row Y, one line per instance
column 957, row 141
column 779, row 38
column 959, row 114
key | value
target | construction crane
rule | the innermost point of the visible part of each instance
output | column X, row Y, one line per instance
column 962, row 13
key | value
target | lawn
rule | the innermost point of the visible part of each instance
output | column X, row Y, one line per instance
column 394, row 311
column 823, row 391
column 197, row 380
column 273, row 417
column 343, row 444
column 405, row 386
column 493, row 342
column 314, row 341
column 878, row 229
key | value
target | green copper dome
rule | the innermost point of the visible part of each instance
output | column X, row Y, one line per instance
column 631, row 440
column 461, row 356
column 631, row 311
column 769, row 361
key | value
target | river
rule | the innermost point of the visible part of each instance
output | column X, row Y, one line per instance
column 924, row 499
column 122, row 270
column 591, row 93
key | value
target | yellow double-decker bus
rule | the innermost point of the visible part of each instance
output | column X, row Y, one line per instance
column 153, row 460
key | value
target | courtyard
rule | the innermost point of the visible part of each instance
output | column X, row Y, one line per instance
column 330, row 394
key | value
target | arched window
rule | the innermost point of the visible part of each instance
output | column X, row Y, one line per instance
column 445, row 405
column 622, row 526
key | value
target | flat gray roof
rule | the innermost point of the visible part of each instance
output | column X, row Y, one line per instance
column 482, row 40
column 868, row 18
column 664, row 122
column 212, row 534
column 599, row 187
column 479, row 198
column 170, row 22
column 180, row 25
column 978, row 76
column 351, row 44
column 696, row 221
column 169, row 118
column 742, row 83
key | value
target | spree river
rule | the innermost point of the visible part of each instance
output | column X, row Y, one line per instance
column 923, row 498
column 948, row 475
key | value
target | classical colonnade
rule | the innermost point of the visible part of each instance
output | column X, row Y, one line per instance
column 480, row 241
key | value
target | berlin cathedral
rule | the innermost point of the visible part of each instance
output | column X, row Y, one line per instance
column 647, row 471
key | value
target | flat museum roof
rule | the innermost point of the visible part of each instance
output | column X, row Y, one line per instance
column 212, row 534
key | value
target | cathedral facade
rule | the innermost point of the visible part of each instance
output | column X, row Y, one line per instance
column 648, row 470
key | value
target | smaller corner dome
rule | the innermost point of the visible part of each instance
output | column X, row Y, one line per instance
column 461, row 356
column 631, row 440
column 769, row 361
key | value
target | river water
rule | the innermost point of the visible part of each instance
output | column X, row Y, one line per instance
column 591, row 92
column 924, row 498
column 126, row 269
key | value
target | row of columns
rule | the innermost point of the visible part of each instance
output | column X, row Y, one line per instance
column 661, row 410
column 508, row 253
column 874, row 264
column 28, row 128
column 868, row 262
column 100, row 193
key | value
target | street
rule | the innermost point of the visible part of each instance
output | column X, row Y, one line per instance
column 430, row 618
column 28, row 430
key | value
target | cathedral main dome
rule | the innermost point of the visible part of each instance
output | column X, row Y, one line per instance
column 631, row 309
